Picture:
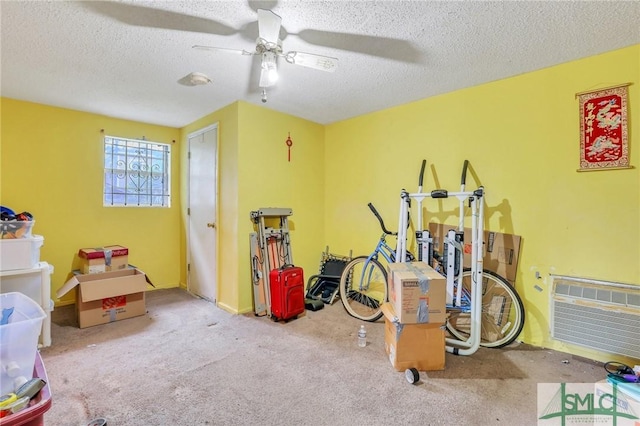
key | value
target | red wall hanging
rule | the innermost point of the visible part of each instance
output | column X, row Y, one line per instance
column 604, row 140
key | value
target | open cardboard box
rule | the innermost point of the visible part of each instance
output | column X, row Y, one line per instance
column 107, row 297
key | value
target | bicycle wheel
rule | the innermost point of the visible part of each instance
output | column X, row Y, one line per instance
column 363, row 288
column 502, row 312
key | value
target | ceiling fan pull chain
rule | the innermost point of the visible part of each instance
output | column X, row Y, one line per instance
column 289, row 143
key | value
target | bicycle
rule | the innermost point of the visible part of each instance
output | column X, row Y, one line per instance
column 363, row 284
column 485, row 310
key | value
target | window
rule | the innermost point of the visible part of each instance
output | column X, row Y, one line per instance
column 136, row 173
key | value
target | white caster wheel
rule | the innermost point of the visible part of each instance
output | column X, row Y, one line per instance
column 412, row 375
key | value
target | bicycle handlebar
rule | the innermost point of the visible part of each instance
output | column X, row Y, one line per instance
column 375, row 212
column 464, row 172
column 424, row 163
column 443, row 193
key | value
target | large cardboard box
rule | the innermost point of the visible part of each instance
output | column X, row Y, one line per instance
column 103, row 259
column 420, row 346
column 107, row 297
column 417, row 293
column 500, row 251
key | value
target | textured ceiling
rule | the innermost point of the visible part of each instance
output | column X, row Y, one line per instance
column 126, row 59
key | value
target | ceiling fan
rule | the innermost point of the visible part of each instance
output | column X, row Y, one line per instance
column 269, row 48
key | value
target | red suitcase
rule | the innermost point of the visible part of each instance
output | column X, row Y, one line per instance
column 287, row 292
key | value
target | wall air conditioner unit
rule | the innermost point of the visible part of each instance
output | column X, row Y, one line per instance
column 596, row 314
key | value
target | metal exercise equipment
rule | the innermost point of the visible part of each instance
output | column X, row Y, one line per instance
column 453, row 253
column 270, row 249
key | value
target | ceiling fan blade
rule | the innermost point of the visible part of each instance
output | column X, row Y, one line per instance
column 144, row 16
column 384, row 47
column 223, row 49
column 269, row 26
column 309, row 60
column 262, row 4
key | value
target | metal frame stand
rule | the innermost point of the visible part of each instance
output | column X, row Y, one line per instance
column 454, row 254
column 270, row 249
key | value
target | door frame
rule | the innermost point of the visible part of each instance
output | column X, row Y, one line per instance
column 215, row 126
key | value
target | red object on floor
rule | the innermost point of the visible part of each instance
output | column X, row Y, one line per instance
column 34, row 414
column 287, row 292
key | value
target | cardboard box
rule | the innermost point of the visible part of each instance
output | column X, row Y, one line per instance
column 103, row 259
column 496, row 304
column 500, row 251
column 420, row 346
column 107, row 297
column 417, row 293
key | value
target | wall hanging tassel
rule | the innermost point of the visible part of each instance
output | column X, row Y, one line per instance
column 289, row 143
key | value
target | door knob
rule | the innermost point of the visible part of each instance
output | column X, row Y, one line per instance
column 211, row 225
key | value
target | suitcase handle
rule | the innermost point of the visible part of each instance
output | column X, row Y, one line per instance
column 285, row 266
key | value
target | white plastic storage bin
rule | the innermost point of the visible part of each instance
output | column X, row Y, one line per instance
column 18, row 339
column 20, row 253
column 34, row 283
column 13, row 229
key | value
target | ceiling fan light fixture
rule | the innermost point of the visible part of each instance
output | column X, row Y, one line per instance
column 273, row 75
column 269, row 66
column 269, row 48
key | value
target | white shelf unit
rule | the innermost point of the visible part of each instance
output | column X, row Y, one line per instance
column 36, row 284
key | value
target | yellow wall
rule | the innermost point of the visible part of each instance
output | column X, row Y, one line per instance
column 521, row 136
column 227, row 223
column 64, row 168
column 253, row 173
column 268, row 179
column 52, row 166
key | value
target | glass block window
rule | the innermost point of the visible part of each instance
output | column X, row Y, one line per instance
column 136, row 173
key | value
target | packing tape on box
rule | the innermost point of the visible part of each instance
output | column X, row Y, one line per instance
column 108, row 254
column 423, row 280
column 422, row 315
column 399, row 328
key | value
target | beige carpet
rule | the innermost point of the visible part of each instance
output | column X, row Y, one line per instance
column 187, row 362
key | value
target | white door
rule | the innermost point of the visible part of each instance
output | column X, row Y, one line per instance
column 203, row 194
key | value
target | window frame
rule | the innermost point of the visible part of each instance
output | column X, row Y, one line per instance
column 140, row 167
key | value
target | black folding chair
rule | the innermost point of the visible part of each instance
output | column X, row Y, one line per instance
column 324, row 286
